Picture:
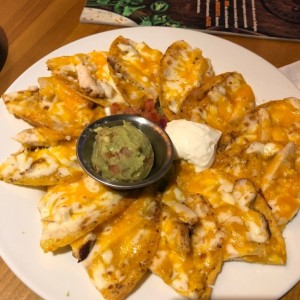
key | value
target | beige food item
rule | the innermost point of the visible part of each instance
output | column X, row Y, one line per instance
column 124, row 247
column 250, row 228
column 264, row 147
column 41, row 137
column 88, row 74
column 221, row 101
column 69, row 211
column 96, row 15
column 181, row 69
column 135, row 70
column 194, row 142
column 44, row 166
column 54, row 105
column 190, row 254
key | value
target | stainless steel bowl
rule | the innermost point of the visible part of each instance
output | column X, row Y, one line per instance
column 160, row 141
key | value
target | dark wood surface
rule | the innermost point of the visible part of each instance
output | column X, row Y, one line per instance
column 29, row 29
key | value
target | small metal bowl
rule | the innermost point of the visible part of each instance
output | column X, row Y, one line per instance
column 159, row 139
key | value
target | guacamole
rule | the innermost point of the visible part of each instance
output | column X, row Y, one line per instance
column 122, row 153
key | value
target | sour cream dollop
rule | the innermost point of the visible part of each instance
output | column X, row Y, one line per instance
column 194, row 142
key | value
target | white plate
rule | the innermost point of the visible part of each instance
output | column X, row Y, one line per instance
column 59, row 276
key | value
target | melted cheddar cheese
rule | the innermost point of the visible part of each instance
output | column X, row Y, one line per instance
column 220, row 101
column 124, row 247
column 54, row 106
column 182, row 68
column 42, row 166
column 69, row 211
column 135, row 70
column 88, row 74
column 264, row 148
column 237, row 205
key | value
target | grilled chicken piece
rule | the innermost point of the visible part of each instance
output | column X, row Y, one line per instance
column 87, row 74
column 175, row 199
column 40, row 137
column 82, row 247
column 219, row 102
column 69, row 211
column 275, row 250
column 124, row 247
column 54, row 105
column 241, row 211
column 207, row 241
column 182, row 68
column 175, row 232
column 135, row 70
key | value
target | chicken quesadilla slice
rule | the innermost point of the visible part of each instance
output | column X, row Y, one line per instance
column 41, row 137
column 42, row 166
column 273, row 167
column 219, row 102
column 124, row 247
column 69, row 211
column 54, row 105
column 190, row 254
column 236, row 204
column 135, row 70
column 181, row 69
column 273, row 121
column 87, row 74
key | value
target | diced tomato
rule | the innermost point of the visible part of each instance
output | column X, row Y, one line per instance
column 125, row 151
column 114, row 169
column 149, row 105
column 147, row 110
column 131, row 111
column 115, row 108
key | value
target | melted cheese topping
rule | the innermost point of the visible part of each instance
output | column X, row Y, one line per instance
column 68, row 211
column 226, row 102
column 186, row 258
column 246, row 230
column 87, row 73
column 135, row 70
column 182, row 69
column 123, row 253
column 43, row 166
column 50, row 107
column 175, row 200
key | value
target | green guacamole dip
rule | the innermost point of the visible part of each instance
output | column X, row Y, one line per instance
column 122, row 153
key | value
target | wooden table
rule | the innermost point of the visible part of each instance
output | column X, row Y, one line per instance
column 32, row 28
